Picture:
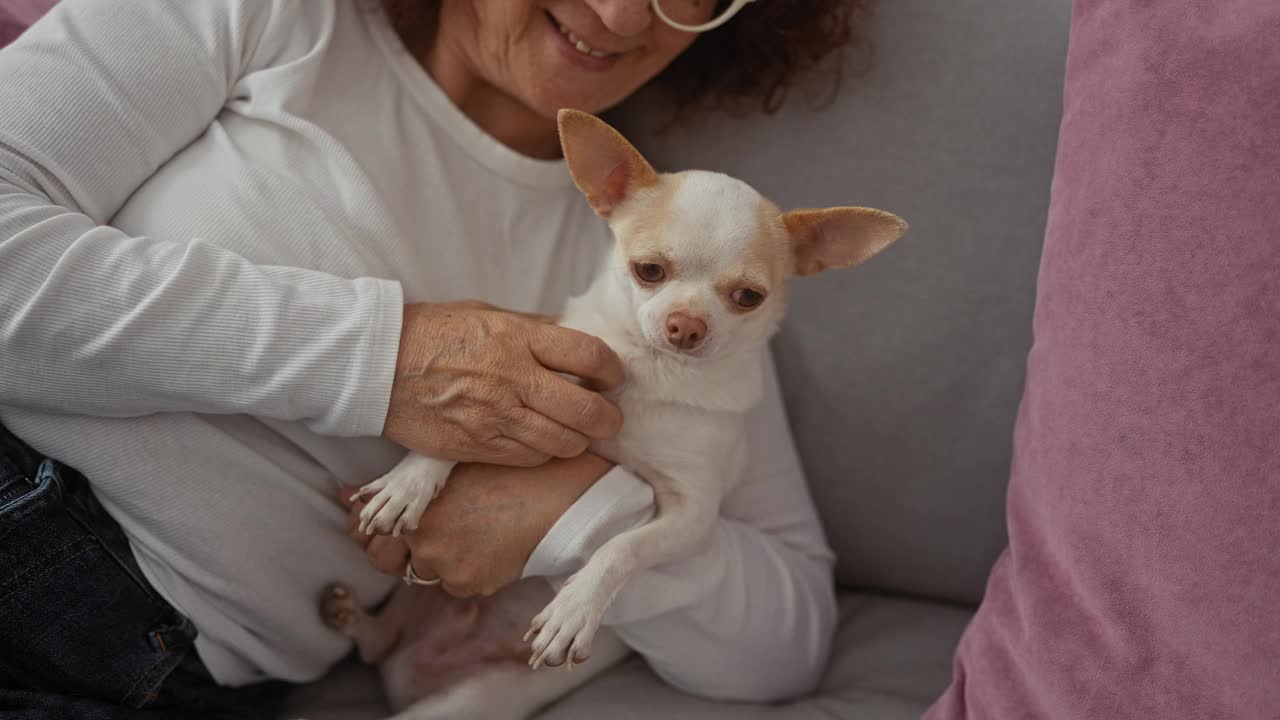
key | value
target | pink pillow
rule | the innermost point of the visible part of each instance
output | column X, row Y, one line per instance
column 17, row 15
column 1142, row 578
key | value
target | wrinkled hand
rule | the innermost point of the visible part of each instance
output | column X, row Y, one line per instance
column 474, row 383
column 479, row 533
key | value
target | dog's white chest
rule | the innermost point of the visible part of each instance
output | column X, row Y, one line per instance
column 679, row 418
column 664, row 441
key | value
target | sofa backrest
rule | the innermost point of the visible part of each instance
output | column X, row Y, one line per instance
column 903, row 376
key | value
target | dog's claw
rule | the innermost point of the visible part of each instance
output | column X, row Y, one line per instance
column 397, row 500
column 564, row 628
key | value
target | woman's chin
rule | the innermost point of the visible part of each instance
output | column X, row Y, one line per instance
column 548, row 101
column 555, row 85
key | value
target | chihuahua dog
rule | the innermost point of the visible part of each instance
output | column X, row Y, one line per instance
column 688, row 299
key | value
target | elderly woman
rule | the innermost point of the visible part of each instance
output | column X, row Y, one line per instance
column 235, row 242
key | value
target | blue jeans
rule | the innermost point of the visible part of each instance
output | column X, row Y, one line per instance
column 83, row 635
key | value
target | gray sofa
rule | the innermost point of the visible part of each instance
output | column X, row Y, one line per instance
column 903, row 377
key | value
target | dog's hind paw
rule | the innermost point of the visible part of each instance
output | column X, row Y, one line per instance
column 563, row 631
column 340, row 609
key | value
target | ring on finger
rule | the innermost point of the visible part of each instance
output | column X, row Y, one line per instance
column 411, row 577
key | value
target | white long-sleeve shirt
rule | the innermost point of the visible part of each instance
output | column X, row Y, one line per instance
column 211, row 215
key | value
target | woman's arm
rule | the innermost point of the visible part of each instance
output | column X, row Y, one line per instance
column 749, row 617
column 94, row 98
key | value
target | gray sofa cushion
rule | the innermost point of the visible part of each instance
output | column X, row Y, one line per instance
column 892, row 657
column 903, row 376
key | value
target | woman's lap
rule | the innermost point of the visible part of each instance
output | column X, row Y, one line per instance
column 82, row 634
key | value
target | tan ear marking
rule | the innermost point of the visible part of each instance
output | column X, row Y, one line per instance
column 604, row 166
column 839, row 237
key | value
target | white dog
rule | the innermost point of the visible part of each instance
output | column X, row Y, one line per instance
column 694, row 289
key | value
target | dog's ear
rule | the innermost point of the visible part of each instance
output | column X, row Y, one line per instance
column 606, row 168
column 839, row 237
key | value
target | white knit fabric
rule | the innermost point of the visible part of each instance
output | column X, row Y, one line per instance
column 211, row 214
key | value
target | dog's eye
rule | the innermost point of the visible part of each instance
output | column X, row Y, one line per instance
column 747, row 298
column 649, row 272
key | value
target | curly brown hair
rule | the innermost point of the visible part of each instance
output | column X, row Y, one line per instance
column 757, row 57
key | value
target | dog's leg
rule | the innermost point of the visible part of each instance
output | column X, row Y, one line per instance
column 563, row 631
column 399, row 497
column 512, row 692
column 375, row 635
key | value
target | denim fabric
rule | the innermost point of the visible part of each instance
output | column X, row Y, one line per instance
column 82, row 633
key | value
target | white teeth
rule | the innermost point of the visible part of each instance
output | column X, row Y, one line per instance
column 580, row 46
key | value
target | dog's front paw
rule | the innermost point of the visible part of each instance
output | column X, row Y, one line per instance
column 563, row 631
column 398, row 500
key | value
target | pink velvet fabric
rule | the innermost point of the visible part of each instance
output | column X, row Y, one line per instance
column 1142, row 578
column 17, row 15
